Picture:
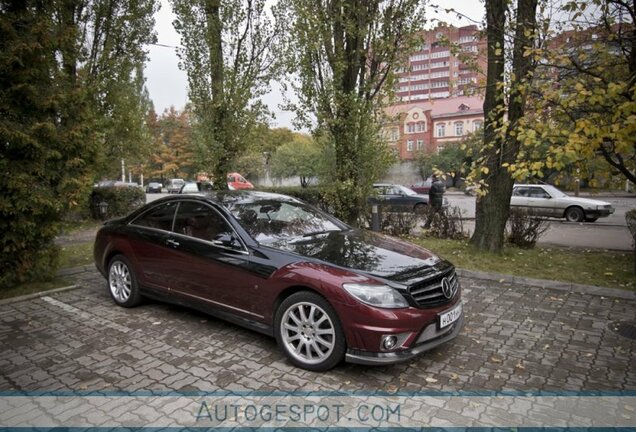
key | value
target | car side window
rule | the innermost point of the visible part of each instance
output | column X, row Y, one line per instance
column 520, row 191
column 537, row 192
column 199, row 220
column 159, row 217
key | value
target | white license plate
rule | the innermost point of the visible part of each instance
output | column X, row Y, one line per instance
column 447, row 318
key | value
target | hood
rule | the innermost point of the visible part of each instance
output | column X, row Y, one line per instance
column 587, row 202
column 366, row 251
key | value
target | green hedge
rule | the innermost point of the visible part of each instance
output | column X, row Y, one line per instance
column 121, row 200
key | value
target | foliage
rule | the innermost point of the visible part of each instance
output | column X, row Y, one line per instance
column 591, row 113
column 121, row 200
column 174, row 151
column 453, row 160
column 525, row 229
column 630, row 218
column 59, row 63
column 398, row 223
column 300, row 157
column 228, row 54
column 446, row 223
column 344, row 54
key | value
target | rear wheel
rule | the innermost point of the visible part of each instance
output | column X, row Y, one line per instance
column 309, row 332
column 574, row 214
column 122, row 283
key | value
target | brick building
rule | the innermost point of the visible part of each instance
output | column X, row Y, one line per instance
column 429, row 126
column 438, row 97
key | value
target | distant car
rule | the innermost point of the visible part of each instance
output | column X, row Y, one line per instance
column 422, row 187
column 174, row 185
column 326, row 291
column 235, row 181
column 399, row 198
column 154, row 187
column 546, row 200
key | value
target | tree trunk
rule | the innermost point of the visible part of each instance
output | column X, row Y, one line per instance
column 492, row 210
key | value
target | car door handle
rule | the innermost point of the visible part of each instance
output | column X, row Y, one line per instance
column 172, row 243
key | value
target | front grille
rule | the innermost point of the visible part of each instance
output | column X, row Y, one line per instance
column 429, row 292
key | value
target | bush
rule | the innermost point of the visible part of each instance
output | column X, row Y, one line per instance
column 121, row 200
column 525, row 228
column 630, row 218
column 447, row 223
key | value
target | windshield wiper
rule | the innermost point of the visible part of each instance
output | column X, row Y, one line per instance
column 311, row 234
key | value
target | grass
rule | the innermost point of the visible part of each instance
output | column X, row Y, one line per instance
column 76, row 254
column 34, row 287
column 583, row 266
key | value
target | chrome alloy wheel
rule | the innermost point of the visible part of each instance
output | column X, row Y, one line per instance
column 308, row 333
column 120, row 281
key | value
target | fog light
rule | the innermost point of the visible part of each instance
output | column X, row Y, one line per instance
column 389, row 342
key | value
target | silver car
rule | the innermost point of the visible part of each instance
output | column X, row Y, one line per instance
column 546, row 200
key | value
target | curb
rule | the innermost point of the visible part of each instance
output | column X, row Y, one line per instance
column 550, row 284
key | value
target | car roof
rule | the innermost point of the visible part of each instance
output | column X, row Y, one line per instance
column 229, row 198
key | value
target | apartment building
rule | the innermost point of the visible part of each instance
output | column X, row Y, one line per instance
column 439, row 99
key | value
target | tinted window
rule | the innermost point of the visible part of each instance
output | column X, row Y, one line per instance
column 270, row 221
column 537, row 192
column 159, row 217
column 200, row 220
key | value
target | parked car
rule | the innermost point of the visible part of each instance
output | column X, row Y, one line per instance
column 235, row 181
column 422, row 187
column 269, row 262
column 154, row 187
column 174, row 185
column 546, row 200
column 399, row 198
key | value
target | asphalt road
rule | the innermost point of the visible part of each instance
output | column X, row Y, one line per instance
column 606, row 233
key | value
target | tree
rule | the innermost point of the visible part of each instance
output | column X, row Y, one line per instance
column 590, row 113
column 300, row 157
column 344, row 54
column 228, row 56
column 454, row 160
column 58, row 59
column 501, row 143
column 174, row 155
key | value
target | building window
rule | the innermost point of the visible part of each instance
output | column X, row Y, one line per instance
column 420, row 127
column 394, row 134
column 459, row 128
column 410, row 128
column 420, row 144
column 477, row 125
column 409, row 145
column 441, row 130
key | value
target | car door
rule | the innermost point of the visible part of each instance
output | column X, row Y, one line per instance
column 540, row 201
column 150, row 233
column 212, row 262
column 396, row 200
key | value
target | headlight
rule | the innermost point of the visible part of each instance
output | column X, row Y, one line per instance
column 376, row 295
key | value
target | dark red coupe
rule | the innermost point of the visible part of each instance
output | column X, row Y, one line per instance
column 324, row 290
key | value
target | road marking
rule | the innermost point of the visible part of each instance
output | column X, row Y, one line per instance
column 85, row 315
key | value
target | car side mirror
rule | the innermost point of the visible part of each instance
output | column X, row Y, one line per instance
column 227, row 240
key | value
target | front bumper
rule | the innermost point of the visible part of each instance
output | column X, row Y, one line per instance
column 383, row 358
column 596, row 213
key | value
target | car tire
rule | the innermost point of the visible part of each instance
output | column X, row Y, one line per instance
column 420, row 208
column 309, row 332
column 122, row 282
column 574, row 214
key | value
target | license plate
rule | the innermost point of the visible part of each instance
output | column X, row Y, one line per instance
column 447, row 318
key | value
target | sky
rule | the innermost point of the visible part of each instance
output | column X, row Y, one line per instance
column 167, row 85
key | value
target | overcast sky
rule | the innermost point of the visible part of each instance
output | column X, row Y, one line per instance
column 167, row 84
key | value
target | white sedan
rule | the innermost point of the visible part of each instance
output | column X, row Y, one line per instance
column 546, row 200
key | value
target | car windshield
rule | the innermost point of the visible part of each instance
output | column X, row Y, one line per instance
column 406, row 191
column 554, row 192
column 270, row 221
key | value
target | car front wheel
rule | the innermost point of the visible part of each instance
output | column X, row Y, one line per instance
column 574, row 214
column 122, row 283
column 309, row 332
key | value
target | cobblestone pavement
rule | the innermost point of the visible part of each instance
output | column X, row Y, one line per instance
column 516, row 338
